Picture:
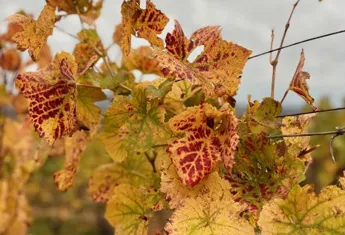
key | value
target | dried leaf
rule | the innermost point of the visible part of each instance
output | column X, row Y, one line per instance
column 89, row 10
column 74, row 146
column 35, row 33
column 217, row 69
column 143, row 23
column 299, row 84
column 52, row 95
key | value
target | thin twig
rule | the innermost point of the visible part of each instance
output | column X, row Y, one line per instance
column 78, row 12
column 64, row 31
column 316, row 111
column 274, row 63
column 297, row 43
column 271, row 46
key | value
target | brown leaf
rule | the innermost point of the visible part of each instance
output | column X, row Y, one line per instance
column 299, row 84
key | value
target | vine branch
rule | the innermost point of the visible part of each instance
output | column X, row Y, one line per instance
column 274, row 63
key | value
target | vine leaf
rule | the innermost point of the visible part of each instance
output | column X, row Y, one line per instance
column 128, row 209
column 217, row 68
column 305, row 212
column 261, row 116
column 35, row 32
column 74, row 147
column 134, row 171
column 90, row 46
column 87, row 112
column 143, row 23
column 176, row 192
column 297, row 125
column 52, row 95
column 88, row 10
column 210, row 137
column 207, row 209
column 131, row 126
column 299, row 84
column 142, row 59
column 10, row 60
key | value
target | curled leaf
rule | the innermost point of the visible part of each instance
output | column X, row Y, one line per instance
column 35, row 32
column 74, row 146
column 299, row 84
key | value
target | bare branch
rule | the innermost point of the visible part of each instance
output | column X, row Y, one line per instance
column 274, row 63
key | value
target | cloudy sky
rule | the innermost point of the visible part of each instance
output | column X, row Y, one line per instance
column 248, row 23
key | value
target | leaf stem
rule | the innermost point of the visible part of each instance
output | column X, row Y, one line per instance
column 64, row 31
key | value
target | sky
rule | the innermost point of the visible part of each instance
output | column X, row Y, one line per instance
column 247, row 23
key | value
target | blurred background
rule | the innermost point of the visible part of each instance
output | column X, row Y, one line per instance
column 245, row 22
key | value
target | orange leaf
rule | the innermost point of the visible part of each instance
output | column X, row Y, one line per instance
column 143, row 60
column 10, row 60
column 299, row 84
column 143, row 23
column 217, row 69
column 89, row 10
column 52, row 95
column 210, row 137
column 35, row 32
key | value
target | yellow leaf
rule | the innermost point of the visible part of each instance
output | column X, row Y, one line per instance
column 210, row 212
column 35, row 33
column 87, row 112
column 134, row 171
column 52, row 95
column 128, row 210
column 304, row 212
